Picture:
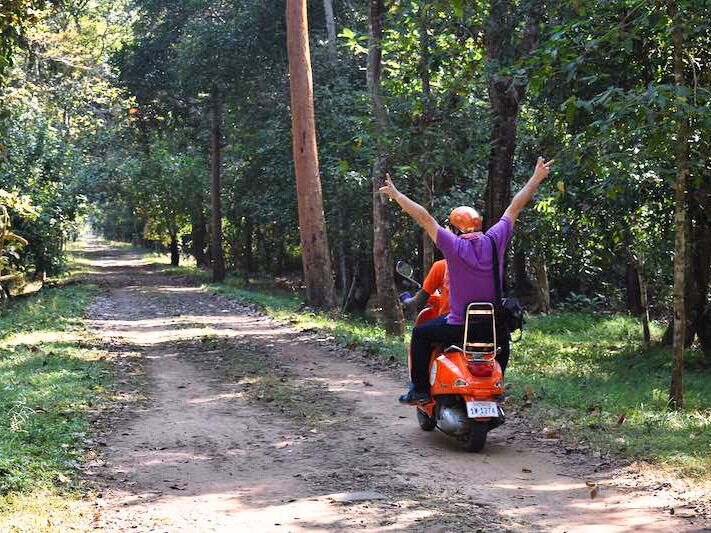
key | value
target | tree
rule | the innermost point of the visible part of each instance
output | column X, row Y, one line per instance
column 218, row 260
column 506, row 92
column 388, row 302
column 676, row 392
column 318, row 275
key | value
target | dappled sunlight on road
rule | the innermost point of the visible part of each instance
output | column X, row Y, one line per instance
column 252, row 425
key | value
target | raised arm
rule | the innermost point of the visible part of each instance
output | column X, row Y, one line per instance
column 415, row 210
column 529, row 190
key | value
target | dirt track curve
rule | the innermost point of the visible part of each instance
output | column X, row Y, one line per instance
column 250, row 425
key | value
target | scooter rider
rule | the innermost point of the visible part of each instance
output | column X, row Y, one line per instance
column 469, row 261
column 437, row 279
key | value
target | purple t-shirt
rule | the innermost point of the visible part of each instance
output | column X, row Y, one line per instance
column 470, row 264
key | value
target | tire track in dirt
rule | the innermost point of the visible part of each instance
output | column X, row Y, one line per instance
column 253, row 425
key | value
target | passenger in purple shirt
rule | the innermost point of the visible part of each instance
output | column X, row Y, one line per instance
column 469, row 259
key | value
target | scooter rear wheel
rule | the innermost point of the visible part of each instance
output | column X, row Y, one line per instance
column 427, row 423
column 476, row 439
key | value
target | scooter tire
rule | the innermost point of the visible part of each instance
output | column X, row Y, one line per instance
column 476, row 439
column 427, row 423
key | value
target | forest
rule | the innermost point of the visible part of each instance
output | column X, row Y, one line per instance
column 243, row 144
column 168, row 124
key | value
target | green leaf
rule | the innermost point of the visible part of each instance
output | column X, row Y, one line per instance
column 458, row 8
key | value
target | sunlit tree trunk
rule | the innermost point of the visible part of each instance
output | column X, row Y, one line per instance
column 318, row 275
column 218, row 260
column 388, row 302
column 676, row 392
column 543, row 292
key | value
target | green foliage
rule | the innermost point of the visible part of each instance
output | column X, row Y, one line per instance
column 584, row 371
column 52, row 378
column 57, row 103
column 10, row 242
column 582, row 302
column 15, row 17
column 108, row 103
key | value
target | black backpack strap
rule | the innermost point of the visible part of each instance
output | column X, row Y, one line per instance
column 497, row 274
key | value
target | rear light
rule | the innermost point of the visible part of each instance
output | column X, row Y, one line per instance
column 481, row 369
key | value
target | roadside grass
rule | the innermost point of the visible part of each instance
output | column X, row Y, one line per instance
column 582, row 375
column 51, row 377
column 589, row 374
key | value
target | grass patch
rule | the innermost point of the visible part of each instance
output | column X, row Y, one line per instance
column 51, row 377
column 588, row 373
column 583, row 370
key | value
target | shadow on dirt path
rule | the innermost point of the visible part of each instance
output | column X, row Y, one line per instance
column 251, row 425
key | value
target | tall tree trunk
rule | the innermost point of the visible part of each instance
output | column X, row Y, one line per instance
column 699, row 261
column 504, row 104
column 637, row 292
column 646, row 336
column 633, row 291
column 676, row 391
column 198, row 233
column 174, row 250
column 388, row 302
column 698, row 272
column 218, row 260
column 543, row 293
column 342, row 254
column 505, row 94
column 343, row 273
column 331, row 31
column 318, row 274
column 427, row 174
column 248, row 247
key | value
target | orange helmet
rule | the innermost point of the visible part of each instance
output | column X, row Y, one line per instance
column 465, row 219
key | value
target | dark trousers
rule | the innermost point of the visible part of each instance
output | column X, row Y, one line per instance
column 437, row 331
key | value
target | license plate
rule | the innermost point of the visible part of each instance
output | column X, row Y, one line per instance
column 482, row 409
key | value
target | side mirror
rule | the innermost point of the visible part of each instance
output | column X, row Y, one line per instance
column 404, row 269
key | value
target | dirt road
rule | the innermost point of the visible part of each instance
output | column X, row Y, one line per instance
column 250, row 425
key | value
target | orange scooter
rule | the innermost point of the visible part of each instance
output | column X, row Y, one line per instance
column 466, row 382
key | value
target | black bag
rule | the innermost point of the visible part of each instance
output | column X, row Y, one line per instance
column 510, row 310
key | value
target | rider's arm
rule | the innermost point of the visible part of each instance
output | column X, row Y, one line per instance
column 529, row 190
column 415, row 210
column 418, row 302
